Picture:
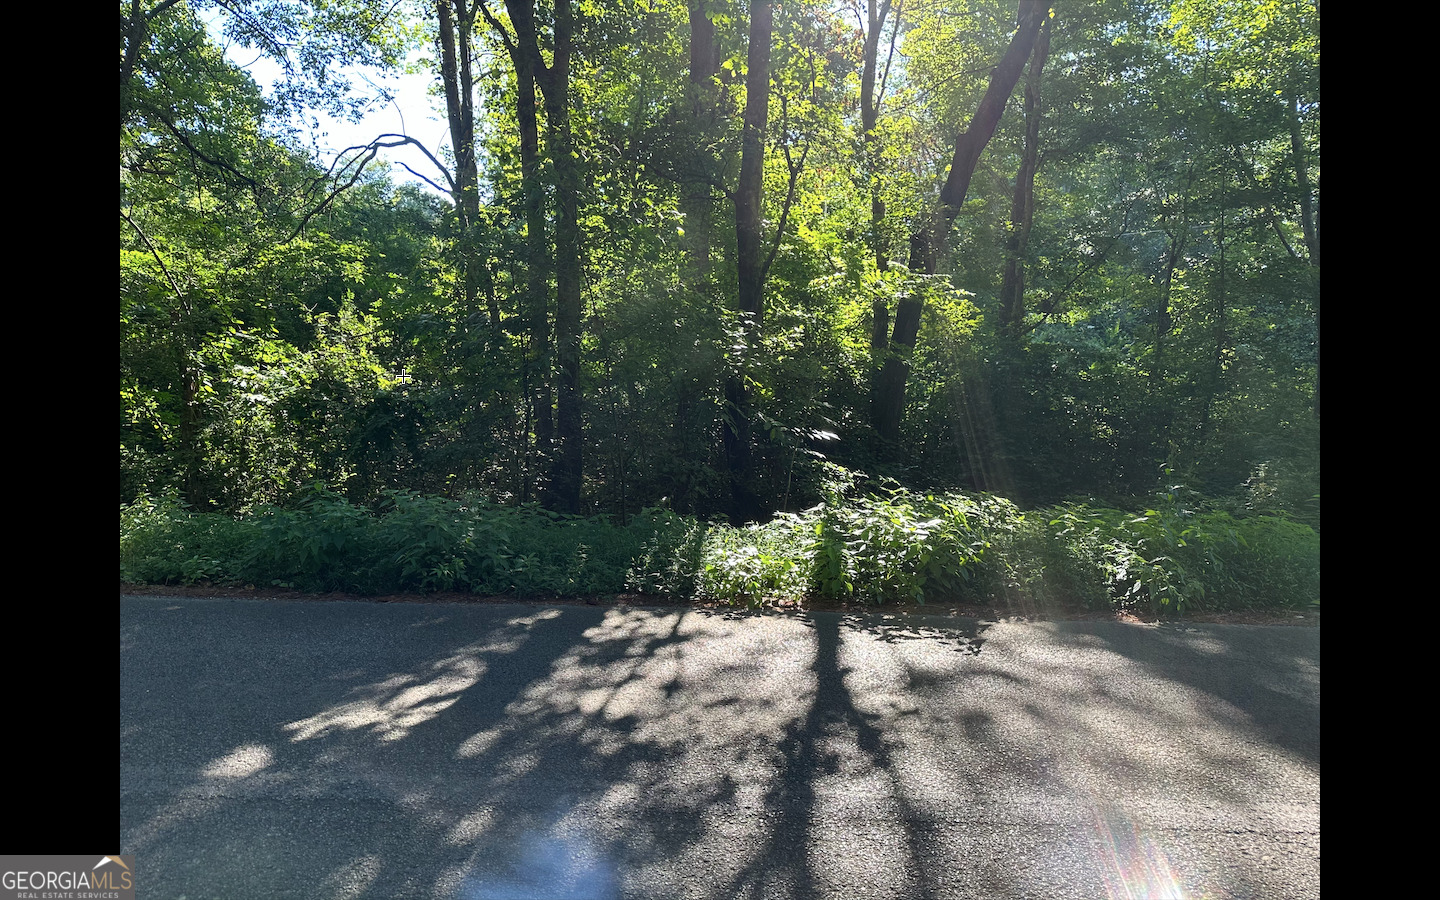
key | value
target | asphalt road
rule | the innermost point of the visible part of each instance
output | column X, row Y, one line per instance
column 350, row 750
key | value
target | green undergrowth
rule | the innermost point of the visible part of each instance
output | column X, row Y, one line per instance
column 898, row 546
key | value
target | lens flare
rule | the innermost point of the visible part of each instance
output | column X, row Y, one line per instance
column 1134, row 866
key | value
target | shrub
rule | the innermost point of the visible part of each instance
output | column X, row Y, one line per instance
column 756, row 563
column 163, row 542
column 1175, row 557
column 326, row 544
column 901, row 546
column 1277, row 564
column 669, row 559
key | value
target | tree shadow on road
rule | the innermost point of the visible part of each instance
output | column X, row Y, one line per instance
column 600, row 753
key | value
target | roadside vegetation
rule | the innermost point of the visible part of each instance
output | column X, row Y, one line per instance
column 884, row 546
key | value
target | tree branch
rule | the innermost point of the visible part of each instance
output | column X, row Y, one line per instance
column 174, row 286
column 795, row 170
column 367, row 154
column 198, row 154
column 499, row 28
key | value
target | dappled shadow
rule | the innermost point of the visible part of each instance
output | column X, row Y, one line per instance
column 1164, row 770
column 835, row 742
column 958, row 633
column 1265, row 680
column 336, row 746
column 632, row 752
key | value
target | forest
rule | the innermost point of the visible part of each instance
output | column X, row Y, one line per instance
column 883, row 299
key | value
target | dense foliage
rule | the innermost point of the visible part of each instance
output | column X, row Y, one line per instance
column 559, row 375
column 902, row 547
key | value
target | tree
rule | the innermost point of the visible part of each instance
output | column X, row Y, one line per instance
column 537, row 243
column 1136, row 275
column 750, row 277
column 871, row 96
column 554, row 82
column 703, row 114
column 934, row 225
column 1022, row 208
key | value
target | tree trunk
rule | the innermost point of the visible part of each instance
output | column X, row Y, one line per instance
column 1022, row 207
column 537, row 269
column 537, row 372
column 695, row 195
column 752, row 165
column 870, row 164
column 135, row 32
column 888, row 402
column 567, row 463
column 456, row 20
column 869, row 117
column 455, row 25
column 749, row 265
column 1309, row 217
column 566, row 471
column 1308, row 220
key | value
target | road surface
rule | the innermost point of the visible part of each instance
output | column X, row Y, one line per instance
column 276, row 749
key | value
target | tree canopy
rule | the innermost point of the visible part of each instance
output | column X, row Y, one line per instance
column 719, row 256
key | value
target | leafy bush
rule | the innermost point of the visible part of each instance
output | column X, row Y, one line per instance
column 326, row 544
column 1278, row 564
column 756, row 563
column 552, row 554
column 900, row 546
column 669, row 560
column 1174, row 557
column 162, row 542
column 409, row 543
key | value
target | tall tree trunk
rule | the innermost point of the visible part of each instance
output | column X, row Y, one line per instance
column 1309, row 216
column 537, row 258
column 567, row 463
column 1164, row 413
column 1022, row 207
column 1220, row 338
column 749, row 265
column 870, row 163
column 567, row 469
column 869, row 116
column 888, row 401
column 1317, row 298
column 695, row 195
column 1308, row 220
column 537, row 372
column 752, row 165
column 456, row 20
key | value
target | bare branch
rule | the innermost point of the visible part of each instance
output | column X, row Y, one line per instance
column 499, row 28
column 401, row 139
column 179, row 294
column 367, row 155
column 423, row 178
column 795, row 169
column 359, row 170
